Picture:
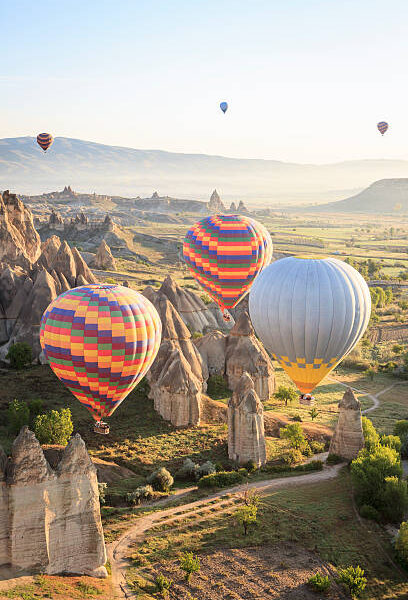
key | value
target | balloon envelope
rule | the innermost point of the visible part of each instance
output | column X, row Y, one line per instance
column 44, row 140
column 225, row 253
column 100, row 340
column 224, row 107
column 382, row 127
column 309, row 313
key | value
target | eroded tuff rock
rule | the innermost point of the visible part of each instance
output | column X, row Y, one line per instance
column 50, row 519
column 246, row 438
column 104, row 258
column 215, row 204
column 348, row 437
column 177, row 355
column 213, row 348
column 19, row 241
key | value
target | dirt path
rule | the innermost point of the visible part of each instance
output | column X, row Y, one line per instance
column 118, row 551
column 373, row 397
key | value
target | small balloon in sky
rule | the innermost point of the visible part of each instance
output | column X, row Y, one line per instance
column 44, row 140
column 382, row 127
column 224, row 107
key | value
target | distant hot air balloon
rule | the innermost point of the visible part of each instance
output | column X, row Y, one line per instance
column 100, row 340
column 309, row 313
column 224, row 107
column 225, row 253
column 382, row 127
column 44, row 140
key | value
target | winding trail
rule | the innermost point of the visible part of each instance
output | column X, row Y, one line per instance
column 373, row 397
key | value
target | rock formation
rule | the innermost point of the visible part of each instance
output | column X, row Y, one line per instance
column 50, row 518
column 19, row 240
column 215, row 204
column 233, row 208
column 348, row 438
column 246, row 439
column 245, row 353
column 213, row 348
column 177, row 401
column 104, row 258
column 242, row 208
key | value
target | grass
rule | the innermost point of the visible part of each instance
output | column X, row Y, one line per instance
column 59, row 588
column 319, row 517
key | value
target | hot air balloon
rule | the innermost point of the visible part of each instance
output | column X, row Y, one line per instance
column 100, row 340
column 44, row 140
column 224, row 107
column 309, row 313
column 225, row 253
column 382, row 127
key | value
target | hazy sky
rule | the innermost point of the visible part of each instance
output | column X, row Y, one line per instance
column 306, row 80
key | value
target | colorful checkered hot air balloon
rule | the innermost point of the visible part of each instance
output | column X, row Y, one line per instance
column 100, row 340
column 44, row 140
column 225, row 253
column 382, row 127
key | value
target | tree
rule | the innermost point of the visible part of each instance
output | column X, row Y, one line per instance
column 313, row 413
column 395, row 499
column 371, row 436
column 54, row 427
column 247, row 515
column 19, row 355
column 286, row 394
column 369, row 471
column 18, row 415
column 294, row 433
column 189, row 564
column 401, row 544
column 161, row 480
column 401, row 429
column 370, row 373
column 354, row 580
column 398, row 348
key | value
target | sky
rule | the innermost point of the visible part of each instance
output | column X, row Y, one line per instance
column 306, row 80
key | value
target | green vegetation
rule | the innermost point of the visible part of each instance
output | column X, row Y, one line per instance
column 319, row 583
column 247, row 516
column 221, row 479
column 286, row 394
column 294, row 433
column 401, row 544
column 163, row 585
column 18, row 415
column 20, row 355
column 161, row 480
column 353, row 579
column 217, row 388
column 54, row 427
column 190, row 564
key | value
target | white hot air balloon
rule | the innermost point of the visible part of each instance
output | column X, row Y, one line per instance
column 309, row 313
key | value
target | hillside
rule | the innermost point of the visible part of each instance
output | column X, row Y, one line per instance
column 115, row 170
column 383, row 196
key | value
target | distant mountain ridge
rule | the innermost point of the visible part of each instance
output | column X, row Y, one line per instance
column 116, row 170
column 383, row 196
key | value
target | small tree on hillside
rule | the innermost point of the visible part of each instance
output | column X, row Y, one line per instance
column 294, row 433
column 247, row 515
column 371, row 437
column 286, row 394
column 18, row 415
column 19, row 355
column 55, row 427
column 313, row 413
column 189, row 564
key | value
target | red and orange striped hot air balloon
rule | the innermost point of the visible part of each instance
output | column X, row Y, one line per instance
column 100, row 340
column 44, row 140
column 225, row 253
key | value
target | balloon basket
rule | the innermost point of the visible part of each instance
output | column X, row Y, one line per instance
column 226, row 316
column 306, row 400
column 101, row 428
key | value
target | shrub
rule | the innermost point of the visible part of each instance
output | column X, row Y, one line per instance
column 242, row 471
column 18, row 415
column 102, row 488
column 395, row 499
column 353, row 579
column 19, row 355
column 319, row 582
column 189, row 564
column 206, row 299
column 292, row 457
column 208, row 468
column 313, row 413
column 161, row 480
column 286, row 394
column 297, row 418
column 196, row 335
column 401, row 544
column 306, row 450
column 368, row 472
column 314, row 465
column 247, row 515
column 334, row 459
column 217, row 387
column 392, row 441
column 220, row 479
column 251, row 466
column 143, row 492
column 371, row 436
column 401, row 429
column 187, row 471
column 294, row 433
column 36, row 407
column 317, row 447
column 163, row 585
column 54, row 427
column 369, row 512
column 404, row 447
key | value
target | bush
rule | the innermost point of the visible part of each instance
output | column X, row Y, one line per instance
column 196, row 335
column 371, row 436
column 294, row 433
column 102, row 489
column 187, row 471
column 297, row 418
column 317, row 447
column 401, row 544
column 163, row 585
column 319, row 583
column 292, row 457
column 404, row 447
column 401, row 429
column 18, row 415
column 369, row 512
column 55, row 427
column 334, row 459
column 189, row 564
column 247, row 515
column 243, row 472
column 251, row 466
column 220, row 479
column 392, row 441
column 36, row 407
column 161, row 480
column 353, row 579
column 143, row 492
column 395, row 499
column 208, row 468
column 19, row 355
column 206, row 299
column 217, row 387
column 369, row 471
column 314, row 465
column 306, row 450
